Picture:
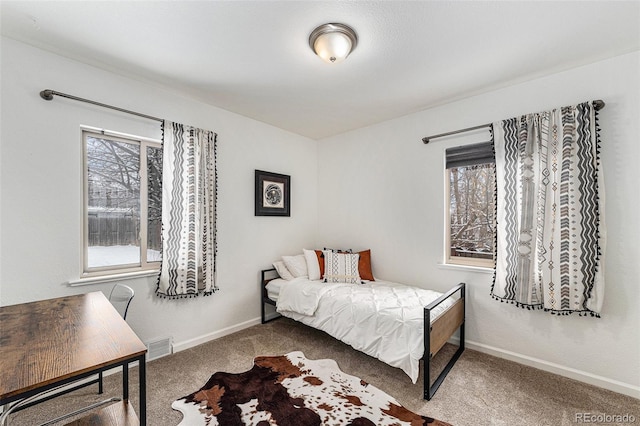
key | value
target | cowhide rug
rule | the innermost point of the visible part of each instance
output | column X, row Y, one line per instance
column 291, row 390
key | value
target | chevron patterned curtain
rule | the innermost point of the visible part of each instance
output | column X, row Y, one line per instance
column 189, row 195
column 550, row 233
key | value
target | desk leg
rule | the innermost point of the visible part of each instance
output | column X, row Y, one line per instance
column 143, row 390
column 125, row 381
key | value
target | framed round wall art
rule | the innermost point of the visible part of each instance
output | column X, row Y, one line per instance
column 272, row 194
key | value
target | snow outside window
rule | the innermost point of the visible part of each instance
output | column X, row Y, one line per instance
column 122, row 203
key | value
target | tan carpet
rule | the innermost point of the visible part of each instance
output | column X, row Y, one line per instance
column 480, row 390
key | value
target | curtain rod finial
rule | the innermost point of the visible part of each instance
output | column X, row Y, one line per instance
column 47, row 94
column 425, row 140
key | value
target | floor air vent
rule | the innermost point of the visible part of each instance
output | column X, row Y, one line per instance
column 159, row 348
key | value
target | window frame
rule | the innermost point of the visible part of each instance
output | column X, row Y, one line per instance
column 459, row 260
column 143, row 144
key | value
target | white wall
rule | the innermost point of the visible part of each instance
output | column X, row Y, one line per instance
column 380, row 187
column 377, row 187
column 41, row 175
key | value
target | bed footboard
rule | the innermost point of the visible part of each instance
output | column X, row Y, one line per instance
column 437, row 333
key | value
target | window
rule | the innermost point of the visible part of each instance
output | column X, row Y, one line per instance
column 122, row 203
column 470, row 197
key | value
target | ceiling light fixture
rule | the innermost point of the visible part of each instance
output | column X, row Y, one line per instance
column 333, row 42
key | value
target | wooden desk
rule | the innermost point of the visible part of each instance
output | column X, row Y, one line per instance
column 52, row 342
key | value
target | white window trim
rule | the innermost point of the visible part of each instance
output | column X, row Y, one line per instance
column 105, row 273
column 455, row 267
column 98, row 279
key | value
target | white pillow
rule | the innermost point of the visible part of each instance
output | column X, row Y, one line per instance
column 313, row 267
column 297, row 265
column 282, row 270
column 341, row 267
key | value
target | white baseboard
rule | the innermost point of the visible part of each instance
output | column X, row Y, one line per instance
column 561, row 370
column 177, row 347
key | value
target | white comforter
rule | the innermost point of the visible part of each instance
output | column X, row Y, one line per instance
column 381, row 319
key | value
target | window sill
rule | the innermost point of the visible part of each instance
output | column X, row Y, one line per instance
column 453, row 266
column 115, row 277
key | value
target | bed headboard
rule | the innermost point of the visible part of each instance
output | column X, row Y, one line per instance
column 267, row 275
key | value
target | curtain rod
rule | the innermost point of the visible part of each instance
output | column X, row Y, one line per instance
column 597, row 104
column 48, row 95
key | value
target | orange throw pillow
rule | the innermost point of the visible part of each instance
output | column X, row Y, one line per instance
column 320, row 257
column 364, row 265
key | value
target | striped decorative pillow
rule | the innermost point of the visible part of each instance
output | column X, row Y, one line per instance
column 341, row 267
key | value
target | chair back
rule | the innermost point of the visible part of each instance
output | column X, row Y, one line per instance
column 120, row 297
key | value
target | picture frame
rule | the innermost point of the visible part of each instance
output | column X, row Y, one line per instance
column 272, row 194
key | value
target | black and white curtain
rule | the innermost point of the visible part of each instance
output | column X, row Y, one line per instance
column 189, row 195
column 550, row 229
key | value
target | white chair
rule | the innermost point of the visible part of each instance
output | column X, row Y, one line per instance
column 120, row 297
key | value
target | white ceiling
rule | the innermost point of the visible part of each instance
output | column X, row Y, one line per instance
column 253, row 57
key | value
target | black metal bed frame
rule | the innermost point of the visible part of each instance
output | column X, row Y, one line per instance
column 429, row 390
column 265, row 297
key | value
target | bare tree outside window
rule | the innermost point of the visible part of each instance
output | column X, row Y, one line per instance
column 472, row 214
column 123, row 202
column 154, row 206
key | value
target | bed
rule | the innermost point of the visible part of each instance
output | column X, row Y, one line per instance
column 389, row 318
